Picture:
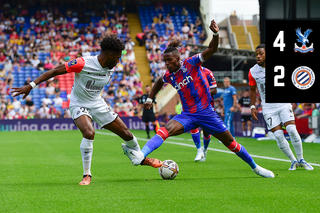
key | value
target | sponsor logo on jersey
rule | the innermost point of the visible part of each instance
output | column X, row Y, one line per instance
column 303, row 38
column 303, row 77
column 73, row 62
column 90, row 87
column 183, row 83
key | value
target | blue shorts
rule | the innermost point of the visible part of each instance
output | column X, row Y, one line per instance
column 207, row 119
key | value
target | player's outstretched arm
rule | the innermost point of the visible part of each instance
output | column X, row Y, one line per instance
column 213, row 46
column 253, row 95
column 59, row 70
column 154, row 91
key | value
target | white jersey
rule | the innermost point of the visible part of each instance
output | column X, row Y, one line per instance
column 257, row 76
column 90, row 78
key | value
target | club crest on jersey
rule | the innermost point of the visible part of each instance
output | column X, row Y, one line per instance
column 71, row 63
column 303, row 38
column 303, row 77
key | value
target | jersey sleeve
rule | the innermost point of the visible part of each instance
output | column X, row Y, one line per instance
column 210, row 78
column 233, row 91
column 75, row 65
column 196, row 60
column 252, row 81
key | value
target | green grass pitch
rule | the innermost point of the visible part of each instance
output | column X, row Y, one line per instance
column 41, row 171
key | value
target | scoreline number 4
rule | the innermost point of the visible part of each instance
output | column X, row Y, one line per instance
column 279, row 41
column 280, row 76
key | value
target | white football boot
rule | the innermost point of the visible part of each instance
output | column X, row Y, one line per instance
column 294, row 165
column 199, row 155
column 305, row 165
column 136, row 157
column 263, row 172
column 205, row 151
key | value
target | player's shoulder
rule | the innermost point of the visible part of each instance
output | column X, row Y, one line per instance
column 255, row 68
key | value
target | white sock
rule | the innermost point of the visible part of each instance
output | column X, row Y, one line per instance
column 248, row 133
column 86, row 148
column 295, row 140
column 244, row 133
column 133, row 144
column 284, row 145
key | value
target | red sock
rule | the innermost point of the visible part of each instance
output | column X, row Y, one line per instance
column 194, row 131
column 234, row 146
column 163, row 133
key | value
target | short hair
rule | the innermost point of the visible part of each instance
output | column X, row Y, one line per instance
column 226, row 78
column 261, row 46
column 173, row 46
column 112, row 44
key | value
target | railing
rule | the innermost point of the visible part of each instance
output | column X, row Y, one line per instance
column 232, row 35
column 236, row 76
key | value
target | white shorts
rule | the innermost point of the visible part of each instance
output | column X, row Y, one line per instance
column 274, row 117
column 101, row 113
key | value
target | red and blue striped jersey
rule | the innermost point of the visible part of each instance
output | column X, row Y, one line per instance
column 211, row 80
column 191, row 84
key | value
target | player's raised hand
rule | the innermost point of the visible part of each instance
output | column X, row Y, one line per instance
column 214, row 26
column 147, row 105
column 21, row 90
column 254, row 114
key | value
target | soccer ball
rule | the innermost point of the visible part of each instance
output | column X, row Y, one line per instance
column 169, row 170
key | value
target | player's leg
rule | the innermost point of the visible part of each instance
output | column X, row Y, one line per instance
column 274, row 124
column 249, row 127
column 84, row 123
column 145, row 119
column 287, row 117
column 214, row 125
column 228, row 120
column 243, row 123
column 206, row 141
column 152, row 118
column 195, row 133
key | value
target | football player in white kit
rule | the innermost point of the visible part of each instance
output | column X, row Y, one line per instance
column 275, row 114
column 92, row 73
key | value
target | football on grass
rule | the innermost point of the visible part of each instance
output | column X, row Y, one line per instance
column 169, row 170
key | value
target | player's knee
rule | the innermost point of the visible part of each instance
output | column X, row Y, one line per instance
column 88, row 133
column 278, row 135
column 291, row 129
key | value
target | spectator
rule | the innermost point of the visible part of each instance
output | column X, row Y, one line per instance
column 184, row 11
column 57, row 101
column 307, row 111
column 50, row 88
column 169, row 25
column 46, row 101
column 16, row 104
column 8, row 65
column 27, row 81
column 35, row 61
column 23, row 111
column 296, row 110
column 173, row 11
column 185, row 29
column 9, row 78
column 44, row 111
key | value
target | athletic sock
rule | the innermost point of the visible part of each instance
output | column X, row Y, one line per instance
column 284, row 145
column 242, row 153
column 248, row 133
column 86, row 148
column 244, row 133
column 196, row 137
column 295, row 140
column 155, row 142
column 133, row 143
column 155, row 128
column 148, row 130
column 206, row 141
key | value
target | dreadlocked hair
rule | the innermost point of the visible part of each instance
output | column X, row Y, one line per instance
column 173, row 46
column 112, row 44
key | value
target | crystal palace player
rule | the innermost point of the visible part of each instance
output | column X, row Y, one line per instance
column 275, row 113
column 193, row 88
column 202, row 152
column 86, row 103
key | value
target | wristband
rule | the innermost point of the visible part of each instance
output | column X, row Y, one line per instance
column 149, row 100
column 253, row 106
column 32, row 84
column 215, row 34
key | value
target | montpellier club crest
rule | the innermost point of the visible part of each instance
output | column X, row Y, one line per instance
column 303, row 77
column 303, row 38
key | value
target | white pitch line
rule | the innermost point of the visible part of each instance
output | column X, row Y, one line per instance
column 217, row 150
